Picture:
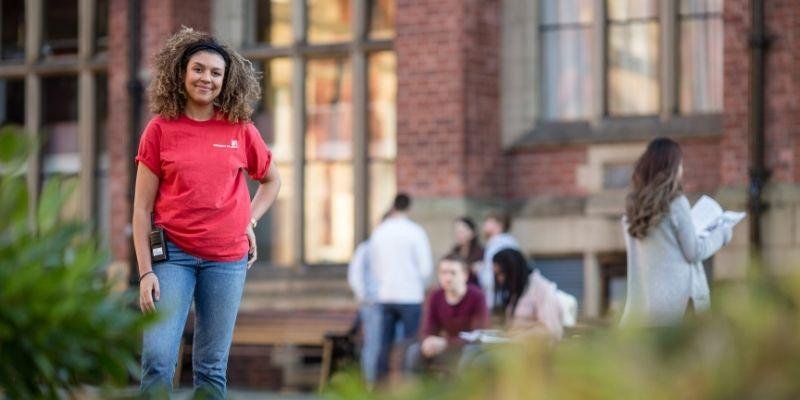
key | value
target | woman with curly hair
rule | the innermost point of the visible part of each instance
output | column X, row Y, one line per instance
column 190, row 183
column 665, row 252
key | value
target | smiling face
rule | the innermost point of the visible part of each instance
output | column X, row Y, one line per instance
column 204, row 75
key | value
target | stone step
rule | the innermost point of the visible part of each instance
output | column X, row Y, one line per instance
column 260, row 271
column 295, row 286
column 299, row 288
column 256, row 303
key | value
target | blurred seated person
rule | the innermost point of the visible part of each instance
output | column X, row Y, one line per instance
column 468, row 246
column 452, row 308
column 526, row 303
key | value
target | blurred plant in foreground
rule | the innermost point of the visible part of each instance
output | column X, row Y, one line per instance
column 746, row 347
column 60, row 324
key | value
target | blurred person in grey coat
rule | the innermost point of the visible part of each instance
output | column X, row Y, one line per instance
column 665, row 250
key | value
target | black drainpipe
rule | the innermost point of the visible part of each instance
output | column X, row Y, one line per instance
column 135, row 116
column 759, row 174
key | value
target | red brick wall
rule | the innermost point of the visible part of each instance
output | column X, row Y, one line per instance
column 430, row 97
column 781, row 92
column 545, row 172
column 736, row 20
column 164, row 18
column 701, row 161
column 485, row 168
column 448, row 98
column 783, row 88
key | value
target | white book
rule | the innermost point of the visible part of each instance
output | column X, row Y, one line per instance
column 708, row 215
column 484, row 336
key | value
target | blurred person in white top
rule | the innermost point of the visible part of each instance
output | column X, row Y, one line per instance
column 496, row 227
column 400, row 257
column 362, row 281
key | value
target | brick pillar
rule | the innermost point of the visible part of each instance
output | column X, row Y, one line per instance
column 485, row 164
column 160, row 19
column 117, row 131
column 448, row 98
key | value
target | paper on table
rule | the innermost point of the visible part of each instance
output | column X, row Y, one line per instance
column 707, row 214
column 484, row 336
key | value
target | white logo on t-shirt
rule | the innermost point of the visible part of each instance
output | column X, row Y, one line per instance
column 234, row 145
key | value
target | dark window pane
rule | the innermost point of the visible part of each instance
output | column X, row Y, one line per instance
column 274, row 22
column 60, row 28
column 12, row 46
column 329, row 203
column 381, row 19
column 101, row 112
column 101, row 26
column 12, row 102
column 329, row 20
column 60, row 125
column 102, row 200
column 60, row 152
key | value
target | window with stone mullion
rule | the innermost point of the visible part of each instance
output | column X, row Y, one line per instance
column 700, row 72
column 633, row 57
column 567, row 52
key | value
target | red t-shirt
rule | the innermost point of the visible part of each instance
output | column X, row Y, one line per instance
column 448, row 320
column 203, row 202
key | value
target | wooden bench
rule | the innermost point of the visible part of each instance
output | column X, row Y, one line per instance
column 281, row 328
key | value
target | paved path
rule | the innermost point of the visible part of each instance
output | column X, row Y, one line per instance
column 185, row 394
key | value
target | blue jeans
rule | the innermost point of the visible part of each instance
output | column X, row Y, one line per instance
column 391, row 315
column 371, row 332
column 216, row 288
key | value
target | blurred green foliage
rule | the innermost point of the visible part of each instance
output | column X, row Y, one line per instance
column 61, row 325
column 746, row 347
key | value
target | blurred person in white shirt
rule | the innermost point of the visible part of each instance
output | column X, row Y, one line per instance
column 400, row 256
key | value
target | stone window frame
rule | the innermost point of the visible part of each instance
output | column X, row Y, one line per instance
column 357, row 51
column 84, row 66
column 520, row 92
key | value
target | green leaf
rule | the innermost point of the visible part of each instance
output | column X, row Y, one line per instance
column 13, row 144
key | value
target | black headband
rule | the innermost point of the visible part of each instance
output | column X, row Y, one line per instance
column 205, row 46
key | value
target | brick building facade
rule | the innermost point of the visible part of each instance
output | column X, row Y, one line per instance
column 467, row 105
column 459, row 73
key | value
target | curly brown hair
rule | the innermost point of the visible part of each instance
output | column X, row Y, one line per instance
column 240, row 88
column 655, row 183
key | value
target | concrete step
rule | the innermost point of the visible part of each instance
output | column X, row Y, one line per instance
column 255, row 303
column 295, row 286
column 299, row 288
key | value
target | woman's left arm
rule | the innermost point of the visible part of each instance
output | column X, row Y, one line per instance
column 266, row 194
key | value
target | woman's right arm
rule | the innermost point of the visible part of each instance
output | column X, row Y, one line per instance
column 143, row 200
column 695, row 248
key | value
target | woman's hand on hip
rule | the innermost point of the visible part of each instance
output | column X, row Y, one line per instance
column 252, row 254
column 149, row 293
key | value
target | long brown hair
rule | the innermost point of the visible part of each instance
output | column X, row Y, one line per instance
column 167, row 92
column 654, row 185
